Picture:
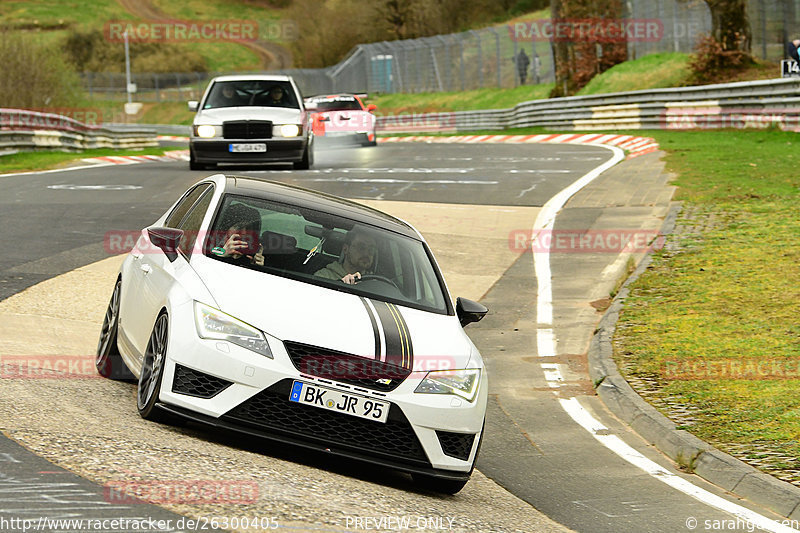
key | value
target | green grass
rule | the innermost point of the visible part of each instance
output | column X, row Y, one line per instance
column 25, row 161
column 57, row 13
column 730, row 295
column 653, row 71
column 490, row 98
column 53, row 19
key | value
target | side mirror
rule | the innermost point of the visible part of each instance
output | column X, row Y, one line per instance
column 167, row 239
column 193, row 105
column 469, row 311
column 371, row 107
column 310, row 106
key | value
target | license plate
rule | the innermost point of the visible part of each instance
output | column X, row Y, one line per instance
column 247, row 147
column 341, row 402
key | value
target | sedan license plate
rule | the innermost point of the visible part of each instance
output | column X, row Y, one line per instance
column 247, row 147
column 342, row 402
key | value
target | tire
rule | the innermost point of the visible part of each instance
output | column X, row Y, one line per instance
column 194, row 165
column 307, row 161
column 108, row 360
column 153, row 371
column 367, row 142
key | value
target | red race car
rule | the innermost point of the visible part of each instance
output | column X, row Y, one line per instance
column 342, row 116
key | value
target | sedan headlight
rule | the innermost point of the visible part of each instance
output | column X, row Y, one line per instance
column 206, row 131
column 214, row 324
column 289, row 130
column 463, row 383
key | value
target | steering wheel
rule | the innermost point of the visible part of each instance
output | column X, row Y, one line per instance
column 380, row 278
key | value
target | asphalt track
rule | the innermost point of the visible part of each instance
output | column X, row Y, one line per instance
column 53, row 223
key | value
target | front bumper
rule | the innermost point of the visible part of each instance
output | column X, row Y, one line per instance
column 433, row 434
column 278, row 149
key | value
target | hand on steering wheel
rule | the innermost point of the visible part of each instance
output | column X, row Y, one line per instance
column 380, row 278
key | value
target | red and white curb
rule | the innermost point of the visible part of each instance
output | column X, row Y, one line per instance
column 172, row 138
column 174, row 155
column 633, row 145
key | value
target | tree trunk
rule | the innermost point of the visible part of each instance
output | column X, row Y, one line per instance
column 578, row 58
column 730, row 25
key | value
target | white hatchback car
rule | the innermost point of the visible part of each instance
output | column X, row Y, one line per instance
column 251, row 119
column 231, row 310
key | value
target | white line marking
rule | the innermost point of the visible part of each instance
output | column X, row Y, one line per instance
column 580, row 415
column 544, row 221
column 546, row 345
column 51, row 171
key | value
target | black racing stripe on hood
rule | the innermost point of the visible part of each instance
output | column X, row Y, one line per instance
column 395, row 330
column 375, row 331
column 405, row 337
column 391, row 333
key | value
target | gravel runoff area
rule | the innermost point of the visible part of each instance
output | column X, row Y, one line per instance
column 89, row 425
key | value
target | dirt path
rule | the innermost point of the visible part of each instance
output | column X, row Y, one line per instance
column 271, row 56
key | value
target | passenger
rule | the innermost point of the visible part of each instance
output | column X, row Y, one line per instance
column 227, row 97
column 357, row 257
column 239, row 241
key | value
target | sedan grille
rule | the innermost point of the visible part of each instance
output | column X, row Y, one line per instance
column 346, row 368
column 197, row 384
column 456, row 445
column 247, row 129
column 271, row 409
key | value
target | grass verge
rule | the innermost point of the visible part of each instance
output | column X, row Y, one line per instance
column 27, row 161
column 709, row 333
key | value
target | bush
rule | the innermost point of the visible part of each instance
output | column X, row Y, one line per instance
column 711, row 61
column 34, row 76
column 91, row 51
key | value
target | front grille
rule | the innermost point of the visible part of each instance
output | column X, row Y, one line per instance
column 271, row 409
column 247, row 129
column 346, row 368
column 194, row 383
column 456, row 445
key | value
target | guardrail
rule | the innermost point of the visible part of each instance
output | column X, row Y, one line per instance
column 23, row 130
column 754, row 104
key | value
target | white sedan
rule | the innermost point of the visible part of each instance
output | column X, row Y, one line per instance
column 301, row 317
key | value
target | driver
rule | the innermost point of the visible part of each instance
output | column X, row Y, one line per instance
column 358, row 255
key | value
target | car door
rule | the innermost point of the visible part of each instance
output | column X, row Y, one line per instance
column 152, row 273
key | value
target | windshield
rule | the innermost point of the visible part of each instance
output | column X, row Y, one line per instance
column 251, row 93
column 337, row 104
column 321, row 249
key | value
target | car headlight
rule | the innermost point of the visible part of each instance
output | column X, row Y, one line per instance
column 214, row 324
column 463, row 383
column 289, row 130
column 205, row 131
